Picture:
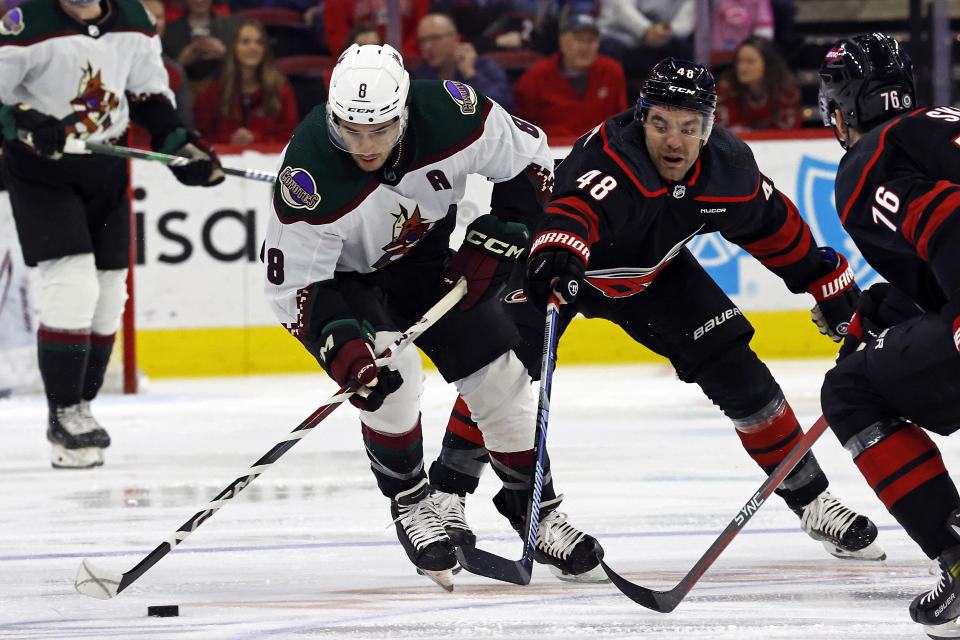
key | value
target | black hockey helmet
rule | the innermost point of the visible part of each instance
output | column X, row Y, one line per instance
column 681, row 84
column 869, row 78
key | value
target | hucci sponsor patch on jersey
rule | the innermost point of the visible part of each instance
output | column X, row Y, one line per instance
column 298, row 188
column 463, row 95
column 12, row 22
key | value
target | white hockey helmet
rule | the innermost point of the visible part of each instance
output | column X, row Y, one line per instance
column 369, row 86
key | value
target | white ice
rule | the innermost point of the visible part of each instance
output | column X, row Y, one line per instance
column 647, row 464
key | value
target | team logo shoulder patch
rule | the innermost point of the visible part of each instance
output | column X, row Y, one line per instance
column 12, row 22
column 463, row 95
column 298, row 188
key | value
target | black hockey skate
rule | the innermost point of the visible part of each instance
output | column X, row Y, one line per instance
column 420, row 531
column 452, row 510
column 845, row 533
column 939, row 608
column 571, row 554
column 77, row 439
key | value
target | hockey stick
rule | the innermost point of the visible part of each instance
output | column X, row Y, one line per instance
column 81, row 146
column 489, row 564
column 667, row 601
column 98, row 583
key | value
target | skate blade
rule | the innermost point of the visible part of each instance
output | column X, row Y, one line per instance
column 443, row 578
column 83, row 458
column 593, row 576
column 873, row 552
column 943, row 631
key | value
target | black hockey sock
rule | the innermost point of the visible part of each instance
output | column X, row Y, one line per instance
column 63, row 355
column 101, row 346
column 515, row 470
column 769, row 435
column 395, row 459
column 462, row 456
column 907, row 473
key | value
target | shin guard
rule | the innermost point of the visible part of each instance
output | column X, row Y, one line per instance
column 63, row 356
column 515, row 470
column 395, row 459
column 462, row 456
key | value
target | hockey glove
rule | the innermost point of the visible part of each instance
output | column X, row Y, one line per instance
column 486, row 257
column 878, row 308
column 44, row 133
column 203, row 168
column 347, row 354
column 557, row 262
column 836, row 294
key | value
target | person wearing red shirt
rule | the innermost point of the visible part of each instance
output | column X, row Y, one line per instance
column 759, row 91
column 573, row 90
column 251, row 101
column 339, row 16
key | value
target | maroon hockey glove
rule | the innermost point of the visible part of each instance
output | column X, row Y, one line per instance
column 557, row 262
column 347, row 354
column 836, row 294
column 486, row 257
column 43, row 133
column 203, row 169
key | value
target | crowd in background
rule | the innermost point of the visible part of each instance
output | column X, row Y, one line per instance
column 246, row 71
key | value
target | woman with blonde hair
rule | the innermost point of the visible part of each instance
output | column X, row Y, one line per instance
column 251, row 102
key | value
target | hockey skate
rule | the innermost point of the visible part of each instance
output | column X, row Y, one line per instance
column 452, row 510
column 938, row 609
column 571, row 554
column 420, row 530
column 845, row 533
column 78, row 440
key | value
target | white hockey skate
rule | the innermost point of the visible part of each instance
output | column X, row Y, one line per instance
column 77, row 439
column 420, row 531
column 845, row 533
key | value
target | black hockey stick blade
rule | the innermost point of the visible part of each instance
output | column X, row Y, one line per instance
column 667, row 601
column 489, row 564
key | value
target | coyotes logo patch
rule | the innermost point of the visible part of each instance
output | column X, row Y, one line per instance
column 92, row 106
column 12, row 23
column 408, row 230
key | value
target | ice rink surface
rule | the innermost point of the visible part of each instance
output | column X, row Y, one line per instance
column 647, row 464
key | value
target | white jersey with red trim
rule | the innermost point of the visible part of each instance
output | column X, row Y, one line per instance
column 609, row 193
column 81, row 72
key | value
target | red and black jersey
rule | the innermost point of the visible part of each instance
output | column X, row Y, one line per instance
column 609, row 193
column 898, row 194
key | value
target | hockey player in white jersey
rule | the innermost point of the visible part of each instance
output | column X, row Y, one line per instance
column 82, row 69
column 357, row 250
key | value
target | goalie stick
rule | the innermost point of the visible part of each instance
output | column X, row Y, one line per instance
column 489, row 564
column 99, row 583
column 667, row 601
column 81, row 146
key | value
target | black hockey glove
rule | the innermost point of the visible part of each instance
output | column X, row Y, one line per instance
column 836, row 294
column 43, row 133
column 557, row 262
column 880, row 307
column 203, row 169
column 951, row 313
column 347, row 354
column 486, row 257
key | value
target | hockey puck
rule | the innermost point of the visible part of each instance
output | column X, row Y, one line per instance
column 164, row 611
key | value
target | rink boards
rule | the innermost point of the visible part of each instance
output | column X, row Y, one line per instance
column 200, row 309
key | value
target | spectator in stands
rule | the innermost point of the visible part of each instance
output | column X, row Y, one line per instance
column 759, row 91
column 251, row 102
column 639, row 33
column 487, row 24
column 735, row 20
column 575, row 89
column 339, row 16
column 447, row 57
column 175, row 71
column 197, row 40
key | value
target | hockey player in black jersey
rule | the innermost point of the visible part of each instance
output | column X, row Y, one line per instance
column 81, row 69
column 898, row 193
column 627, row 199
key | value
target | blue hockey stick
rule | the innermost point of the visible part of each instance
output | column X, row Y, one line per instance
column 489, row 564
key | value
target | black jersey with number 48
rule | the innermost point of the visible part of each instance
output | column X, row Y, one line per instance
column 609, row 193
column 898, row 194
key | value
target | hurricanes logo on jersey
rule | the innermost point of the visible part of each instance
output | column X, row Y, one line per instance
column 91, row 107
column 408, row 230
